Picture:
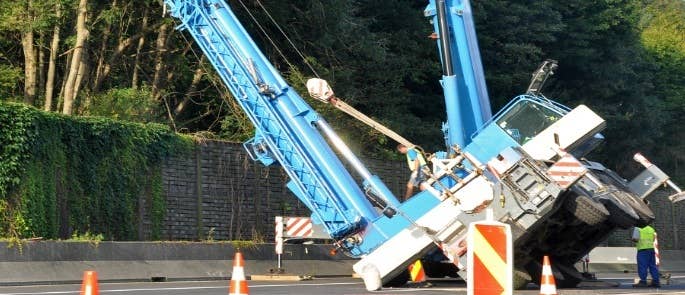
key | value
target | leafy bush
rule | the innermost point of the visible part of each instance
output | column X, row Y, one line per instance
column 60, row 175
column 125, row 104
column 9, row 78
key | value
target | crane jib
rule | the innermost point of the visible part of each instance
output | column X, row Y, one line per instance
column 466, row 95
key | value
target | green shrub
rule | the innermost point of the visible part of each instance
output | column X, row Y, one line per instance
column 125, row 104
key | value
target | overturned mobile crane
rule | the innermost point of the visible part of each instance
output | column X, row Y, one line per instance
column 525, row 162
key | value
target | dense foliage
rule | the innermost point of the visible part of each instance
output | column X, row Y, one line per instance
column 61, row 175
column 623, row 58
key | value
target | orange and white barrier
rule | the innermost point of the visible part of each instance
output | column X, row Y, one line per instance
column 547, row 284
column 489, row 258
column 90, row 283
column 238, row 285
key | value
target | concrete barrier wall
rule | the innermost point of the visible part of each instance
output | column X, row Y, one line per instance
column 622, row 259
column 65, row 262
column 60, row 262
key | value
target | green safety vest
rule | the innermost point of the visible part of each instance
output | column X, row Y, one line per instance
column 419, row 157
column 646, row 240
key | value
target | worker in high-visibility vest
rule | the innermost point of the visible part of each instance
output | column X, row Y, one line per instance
column 646, row 259
column 416, row 162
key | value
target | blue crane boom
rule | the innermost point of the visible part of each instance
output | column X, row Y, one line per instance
column 463, row 82
column 286, row 133
column 284, row 123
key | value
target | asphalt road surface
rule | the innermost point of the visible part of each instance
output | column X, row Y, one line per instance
column 621, row 285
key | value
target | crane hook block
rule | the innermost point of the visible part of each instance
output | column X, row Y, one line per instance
column 319, row 89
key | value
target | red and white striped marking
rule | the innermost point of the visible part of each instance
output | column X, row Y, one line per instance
column 489, row 259
column 566, row 171
column 279, row 235
column 642, row 160
column 298, row 227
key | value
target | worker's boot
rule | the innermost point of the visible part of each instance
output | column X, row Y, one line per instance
column 640, row 284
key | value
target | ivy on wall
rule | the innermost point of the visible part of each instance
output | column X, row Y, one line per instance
column 60, row 175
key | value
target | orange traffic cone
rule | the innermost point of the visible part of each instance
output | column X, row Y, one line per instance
column 238, row 283
column 90, row 283
column 416, row 273
column 547, row 284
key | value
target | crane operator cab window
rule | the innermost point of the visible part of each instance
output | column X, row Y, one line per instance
column 525, row 119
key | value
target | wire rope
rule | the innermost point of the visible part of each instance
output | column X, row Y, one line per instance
column 288, row 39
column 266, row 35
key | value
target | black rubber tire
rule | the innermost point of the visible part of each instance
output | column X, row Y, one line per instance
column 521, row 279
column 644, row 213
column 571, row 276
column 534, row 269
column 621, row 214
column 433, row 271
column 585, row 209
column 399, row 280
column 437, row 269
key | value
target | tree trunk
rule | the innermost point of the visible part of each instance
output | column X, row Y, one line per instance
column 41, row 64
column 139, row 49
column 81, row 36
column 160, row 64
column 101, row 53
column 30, row 67
column 54, row 47
column 192, row 90
column 123, row 45
column 101, row 60
column 80, row 75
column 60, row 96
